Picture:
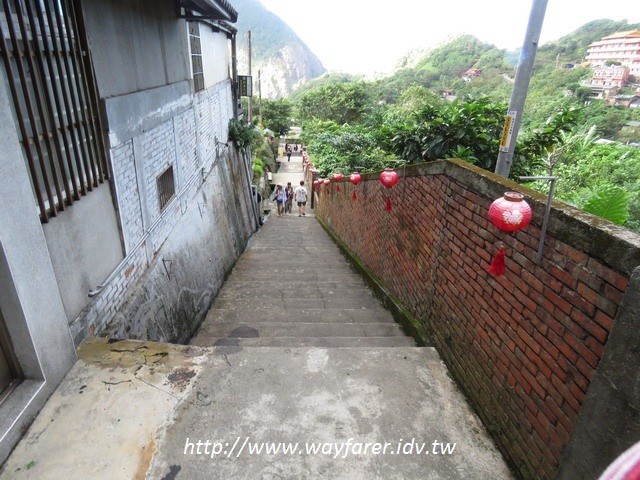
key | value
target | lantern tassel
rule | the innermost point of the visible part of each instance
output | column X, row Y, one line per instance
column 497, row 266
column 338, row 188
column 389, row 207
column 354, row 196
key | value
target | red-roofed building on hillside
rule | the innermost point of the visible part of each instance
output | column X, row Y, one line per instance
column 471, row 74
column 621, row 47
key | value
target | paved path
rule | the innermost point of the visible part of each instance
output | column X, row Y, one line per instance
column 289, row 171
column 295, row 354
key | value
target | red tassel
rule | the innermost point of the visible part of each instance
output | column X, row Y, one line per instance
column 389, row 207
column 497, row 266
column 338, row 187
column 354, row 196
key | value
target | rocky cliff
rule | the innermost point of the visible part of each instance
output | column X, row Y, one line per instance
column 283, row 59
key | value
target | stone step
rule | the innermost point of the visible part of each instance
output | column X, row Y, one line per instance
column 305, row 265
column 297, row 329
column 250, row 315
column 269, row 303
column 308, row 292
column 254, row 285
column 293, row 342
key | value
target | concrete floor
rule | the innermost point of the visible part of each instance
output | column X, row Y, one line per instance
column 132, row 410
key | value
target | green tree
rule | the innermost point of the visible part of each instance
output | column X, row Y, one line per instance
column 466, row 129
column 339, row 102
column 276, row 115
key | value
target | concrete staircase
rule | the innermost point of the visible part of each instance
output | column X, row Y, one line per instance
column 294, row 288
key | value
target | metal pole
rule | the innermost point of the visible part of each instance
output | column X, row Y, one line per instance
column 547, row 211
column 250, row 103
column 520, row 88
column 234, row 78
column 259, row 98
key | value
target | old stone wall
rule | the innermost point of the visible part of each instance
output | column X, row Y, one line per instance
column 524, row 346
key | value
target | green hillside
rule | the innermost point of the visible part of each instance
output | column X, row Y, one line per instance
column 426, row 110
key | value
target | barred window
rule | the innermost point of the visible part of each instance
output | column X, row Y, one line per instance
column 55, row 100
column 166, row 187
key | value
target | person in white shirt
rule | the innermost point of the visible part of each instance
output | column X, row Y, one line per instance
column 300, row 197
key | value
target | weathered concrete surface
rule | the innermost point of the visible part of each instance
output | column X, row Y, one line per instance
column 368, row 395
column 126, row 410
column 103, row 420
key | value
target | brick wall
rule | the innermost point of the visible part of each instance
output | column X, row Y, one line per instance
column 127, row 192
column 524, row 346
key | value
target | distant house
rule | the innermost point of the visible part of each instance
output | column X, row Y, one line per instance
column 628, row 101
column 471, row 74
column 614, row 76
column 604, row 92
column 116, row 175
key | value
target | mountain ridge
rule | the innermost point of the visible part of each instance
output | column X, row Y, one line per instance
column 282, row 57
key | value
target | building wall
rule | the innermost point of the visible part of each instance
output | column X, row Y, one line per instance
column 114, row 263
column 136, row 45
column 524, row 346
column 30, row 300
column 184, row 137
column 84, row 247
column 156, row 121
column 215, row 47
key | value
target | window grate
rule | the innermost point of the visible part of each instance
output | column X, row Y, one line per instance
column 55, row 100
column 166, row 187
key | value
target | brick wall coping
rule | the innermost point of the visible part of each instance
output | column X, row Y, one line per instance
column 615, row 246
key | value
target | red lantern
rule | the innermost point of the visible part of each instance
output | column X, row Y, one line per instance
column 316, row 185
column 355, row 178
column 389, row 178
column 337, row 177
column 509, row 213
column 326, row 182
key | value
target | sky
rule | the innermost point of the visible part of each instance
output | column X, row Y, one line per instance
column 370, row 36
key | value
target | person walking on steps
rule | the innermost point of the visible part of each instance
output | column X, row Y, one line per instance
column 280, row 197
column 289, row 191
column 289, row 151
column 300, row 196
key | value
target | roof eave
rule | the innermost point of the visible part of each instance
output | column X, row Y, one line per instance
column 211, row 9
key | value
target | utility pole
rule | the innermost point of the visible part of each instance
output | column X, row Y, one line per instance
column 234, row 76
column 250, row 102
column 520, row 88
column 259, row 98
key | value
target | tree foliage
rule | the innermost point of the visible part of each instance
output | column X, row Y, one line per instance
column 403, row 118
column 276, row 115
column 338, row 102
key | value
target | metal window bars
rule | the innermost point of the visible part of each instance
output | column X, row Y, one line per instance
column 50, row 78
column 166, row 187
